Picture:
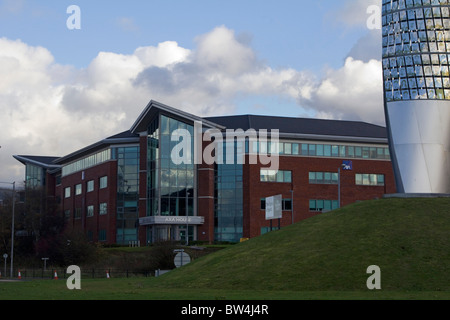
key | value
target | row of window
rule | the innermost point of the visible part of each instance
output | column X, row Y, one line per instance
column 87, row 162
column 101, row 235
column 432, row 79
column 418, row 94
column 323, row 177
column 393, row 5
column 275, row 176
column 416, row 48
column 397, row 21
column 369, row 179
column 363, row 179
column 103, row 183
column 322, row 150
column 286, row 204
column 411, row 66
column 323, row 205
column 314, row 205
column 418, row 41
column 90, row 210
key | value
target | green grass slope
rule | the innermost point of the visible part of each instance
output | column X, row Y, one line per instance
column 407, row 238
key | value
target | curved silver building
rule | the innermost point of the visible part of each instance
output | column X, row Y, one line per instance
column 416, row 55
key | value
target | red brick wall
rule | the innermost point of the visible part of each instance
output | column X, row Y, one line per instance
column 254, row 190
column 205, row 203
column 97, row 222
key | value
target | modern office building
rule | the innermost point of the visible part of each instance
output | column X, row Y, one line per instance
column 416, row 54
column 174, row 173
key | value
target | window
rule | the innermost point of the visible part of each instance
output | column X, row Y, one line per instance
column 78, row 213
column 295, row 149
column 323, row 205
column 287, row 204
column 275, row 176
column 366, row 179
column 90, row 186
column 103, row 182
column 90, row 211
column 103, row 209
column 319, row 150
column 102, row 235
column 287, row 148
column 67, row 214
column 67, row 192
column 78, row 189
column 323, row 178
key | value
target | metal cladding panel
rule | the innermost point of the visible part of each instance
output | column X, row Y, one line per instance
column 416, row 72
column 421, row 141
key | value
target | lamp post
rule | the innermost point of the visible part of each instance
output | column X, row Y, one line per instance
column 339, row 184
column 187, row 219
column 5, row 256
column 12, row 225
column 292, row 205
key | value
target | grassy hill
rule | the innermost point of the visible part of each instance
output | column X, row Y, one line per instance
column 407, row 238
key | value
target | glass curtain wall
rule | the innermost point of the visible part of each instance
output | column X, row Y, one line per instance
column 228, row 222
column 416, row 49
column 170, row 185
column 35, row 176
column 127, row 193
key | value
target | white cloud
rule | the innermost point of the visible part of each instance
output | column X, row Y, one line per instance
column 353, row 92
column 51, row 109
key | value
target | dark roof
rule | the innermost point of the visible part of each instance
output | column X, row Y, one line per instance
column 124, row 135
column 154, row 107
column 43, row 161
column 303, row 126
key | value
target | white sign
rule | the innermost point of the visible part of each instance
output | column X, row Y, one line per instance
column 194, row 220
column 181, row 259
column 274, row 207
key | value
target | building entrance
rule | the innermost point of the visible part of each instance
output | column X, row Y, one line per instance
column 170, row 233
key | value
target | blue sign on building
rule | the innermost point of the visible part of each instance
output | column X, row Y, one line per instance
column 347, row 165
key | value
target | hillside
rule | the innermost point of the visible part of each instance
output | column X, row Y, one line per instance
column 407, row 238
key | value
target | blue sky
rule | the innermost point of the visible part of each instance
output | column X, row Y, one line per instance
column 286, row 33
column 62, row 89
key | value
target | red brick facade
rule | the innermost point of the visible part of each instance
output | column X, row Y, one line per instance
column 303, row 191
column 253, row 191
column 92, row 226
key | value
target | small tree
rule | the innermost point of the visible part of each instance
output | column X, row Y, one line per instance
column 72, row 248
